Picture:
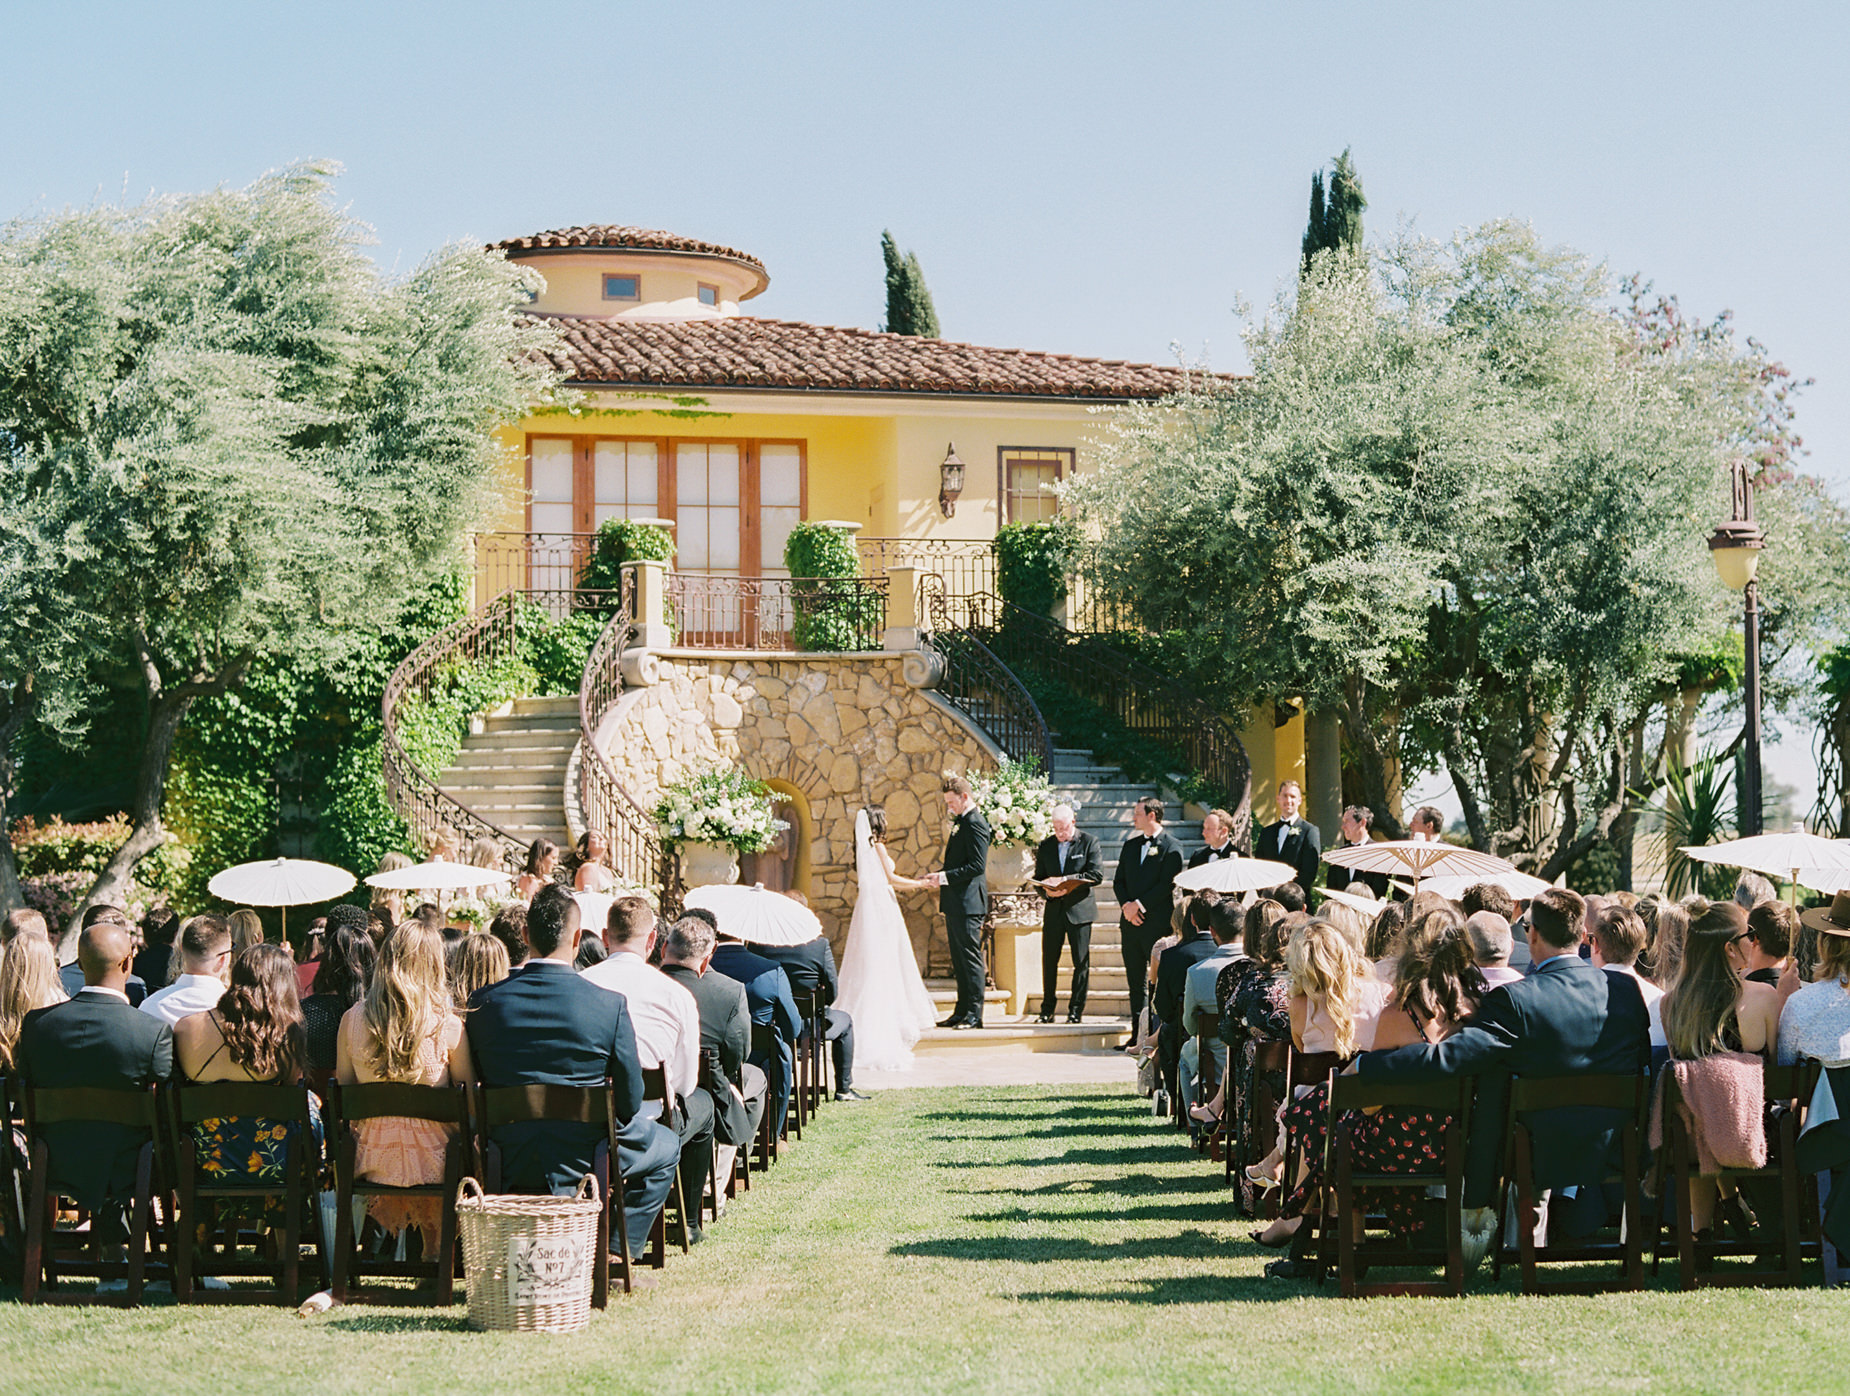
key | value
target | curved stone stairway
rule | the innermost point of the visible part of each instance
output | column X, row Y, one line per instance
column 511, row 768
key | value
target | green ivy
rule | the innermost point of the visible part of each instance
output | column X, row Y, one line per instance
column 832, row 608
column 1032, row 562
column 431, row 729
column 556, row 651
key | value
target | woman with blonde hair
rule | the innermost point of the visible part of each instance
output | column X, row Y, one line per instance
column 404, row 1030
column 246, row 929
column 1668, row 923
column 28, row 981
column 390, row 899
column 476, row 961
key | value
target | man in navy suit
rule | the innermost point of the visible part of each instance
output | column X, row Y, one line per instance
column 544, row 1025
column 810, row 968
column 776, row 1024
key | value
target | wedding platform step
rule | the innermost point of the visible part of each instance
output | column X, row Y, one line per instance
column 1024, row 1034
column 944, row 994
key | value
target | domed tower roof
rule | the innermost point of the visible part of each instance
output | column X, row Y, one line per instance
column 621, row 239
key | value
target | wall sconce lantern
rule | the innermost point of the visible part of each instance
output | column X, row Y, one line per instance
column 950, row 480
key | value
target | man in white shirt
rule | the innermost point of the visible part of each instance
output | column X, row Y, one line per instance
column 204, row 946
column 1619, row 939
column 667, row 1025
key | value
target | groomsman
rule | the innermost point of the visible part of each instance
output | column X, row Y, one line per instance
column 1145, row 886
column 1217, row 836
column 1068, row 852
column 1293, row 840
column 1356, row 820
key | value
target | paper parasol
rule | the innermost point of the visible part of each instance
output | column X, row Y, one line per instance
column 757, row 916
column 1236, row 875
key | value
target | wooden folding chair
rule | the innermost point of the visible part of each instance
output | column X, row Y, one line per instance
column 1788, row 1090
column 280, row 1106
column 1261, row 1134
column 1350, row 1094
column 349, row 1106
column 1207, row 1075
column 50, row 1251
column 1304, row 1069
column 495, row 1106
column 1625, row 1096
column 655, row 1088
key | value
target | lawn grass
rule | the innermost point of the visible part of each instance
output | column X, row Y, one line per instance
column 1017, row 1240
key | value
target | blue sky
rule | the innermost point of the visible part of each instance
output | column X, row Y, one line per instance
column 1103, row 179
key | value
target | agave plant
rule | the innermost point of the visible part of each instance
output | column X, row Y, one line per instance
column 1698, row 809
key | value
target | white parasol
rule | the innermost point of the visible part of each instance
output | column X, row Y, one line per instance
column 1419, row 859
column 1368, row 906
column 757, row 916
column 1520, row 885
column 439, row 876
column 1236, row 875
column 281, row 882
column 1797, row 856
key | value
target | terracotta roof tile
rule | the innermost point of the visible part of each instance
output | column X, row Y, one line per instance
column 617, row 236
column 747, row 352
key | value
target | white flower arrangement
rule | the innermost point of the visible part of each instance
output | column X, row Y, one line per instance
column 470, row 910
column 719, row 805
column 620, row 890
column 1016, row 801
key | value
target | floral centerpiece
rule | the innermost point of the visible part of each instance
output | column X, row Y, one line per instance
column 714, row 816
column 470, row 910
column 1017, row 803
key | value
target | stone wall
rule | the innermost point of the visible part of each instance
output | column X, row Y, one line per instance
column 846, row 730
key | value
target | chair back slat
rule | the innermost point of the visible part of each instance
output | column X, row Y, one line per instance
column 400, row 1099
column 507, row 1105
column 1586, row 1090
column 1363, row 1092
column 92, row 1105
column 1314, row 1068
column 655, row 1084
column 217, row 1100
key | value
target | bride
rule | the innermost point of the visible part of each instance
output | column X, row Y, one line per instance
column 880, row 984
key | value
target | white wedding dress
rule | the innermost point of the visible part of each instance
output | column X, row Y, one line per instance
column 880, row 985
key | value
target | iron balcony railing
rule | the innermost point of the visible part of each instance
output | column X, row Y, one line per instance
column 975, row 681
column 777, row 613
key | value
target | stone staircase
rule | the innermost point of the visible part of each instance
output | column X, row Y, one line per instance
column 512, row 765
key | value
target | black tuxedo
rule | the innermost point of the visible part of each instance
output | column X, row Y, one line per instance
column 95, row 1039
column 725, row 1043
column 1340, row 877
column 964, row 900
column 1166, row 999
column 1297, row 842
column 1566, row 1017
column 1149, row 880
column 1204, row 854
column 811, row 970
column 543, row 1025
column 1068, row 919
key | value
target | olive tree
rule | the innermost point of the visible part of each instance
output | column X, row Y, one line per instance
column 224, row 433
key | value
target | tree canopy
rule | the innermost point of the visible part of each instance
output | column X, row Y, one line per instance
column 225, row 434
column 1335, row 223
column 1462, row 501
column 908, row 303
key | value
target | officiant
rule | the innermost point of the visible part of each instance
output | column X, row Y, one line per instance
column 1067, row 866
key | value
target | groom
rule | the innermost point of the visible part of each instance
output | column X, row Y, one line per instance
column 963, row 897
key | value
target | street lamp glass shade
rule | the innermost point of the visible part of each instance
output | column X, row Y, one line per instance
column 1736, row 563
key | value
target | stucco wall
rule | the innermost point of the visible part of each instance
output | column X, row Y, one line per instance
column 846, row 731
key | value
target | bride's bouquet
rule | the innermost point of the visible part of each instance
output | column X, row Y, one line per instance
column 719, row 805
column 1016, row 801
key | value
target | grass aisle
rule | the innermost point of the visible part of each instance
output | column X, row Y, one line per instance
column 1013, row 1240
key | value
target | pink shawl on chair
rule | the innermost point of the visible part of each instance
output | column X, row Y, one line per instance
column 1722, row 1102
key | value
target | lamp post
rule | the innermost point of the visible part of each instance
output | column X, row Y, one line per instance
column 1735, row 549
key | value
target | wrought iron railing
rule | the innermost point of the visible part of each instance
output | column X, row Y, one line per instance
column 974, row 680
column 637, row 851
column 1150, row 705
column 777, row 613
column 543, row 567
column 968, row 566
column 489, row 635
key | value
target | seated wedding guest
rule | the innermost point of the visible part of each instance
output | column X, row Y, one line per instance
column 1417, row 908
column 1669, row 928
column 667, row 1027
column 1771, row 930
column 246, row 929
column 1489, row 896
column 1751, row 890
column 1618, row 941
column 776, row 1023
column 1490, row 941
column 405, row 1030
column 1564, row 1017
column 1253, row 997
column 28, row 982
column 510, row 928
column 737, row 1087
column 591, row 951
column 23, row 921
column 1437, row 986
column 432, row 916
column 1815, row 1026
column 1384, row 934
column 1170, row 983
column 1290, row 897
column 96, row 1039
column 71, row 976
column 1352, row 923
column 254, row 1034
column 477, row 960
column 1200, row 1004
column 811, row 970
column 590, row 872
column 314, row 943
column 379, row 923
column 1335, row 1006
column 205, row 964
column 158, row 929
column 542, row 862
column 546, row 1025
column 346, row 965
column 1711, row 1011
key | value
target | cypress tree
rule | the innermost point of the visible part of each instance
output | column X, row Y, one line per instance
column 908, row 303
column 1336, row 221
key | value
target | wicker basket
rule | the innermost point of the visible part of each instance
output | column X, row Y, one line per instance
column 529, row 1260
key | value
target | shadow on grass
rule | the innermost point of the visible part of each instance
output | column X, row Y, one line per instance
column 1128, row 1185
column 1184, row 1289
column 1123, row 1158
column 1155, row 1211
column 1063, row 1249
column 1129, row 1110
column 400, row 1323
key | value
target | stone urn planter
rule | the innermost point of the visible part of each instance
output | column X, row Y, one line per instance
column 708, row 864
column 1009, row 869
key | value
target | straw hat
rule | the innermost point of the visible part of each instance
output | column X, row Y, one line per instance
column 1832, row 920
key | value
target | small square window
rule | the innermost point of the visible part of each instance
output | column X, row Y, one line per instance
column 622, row 288
column 709, row 295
